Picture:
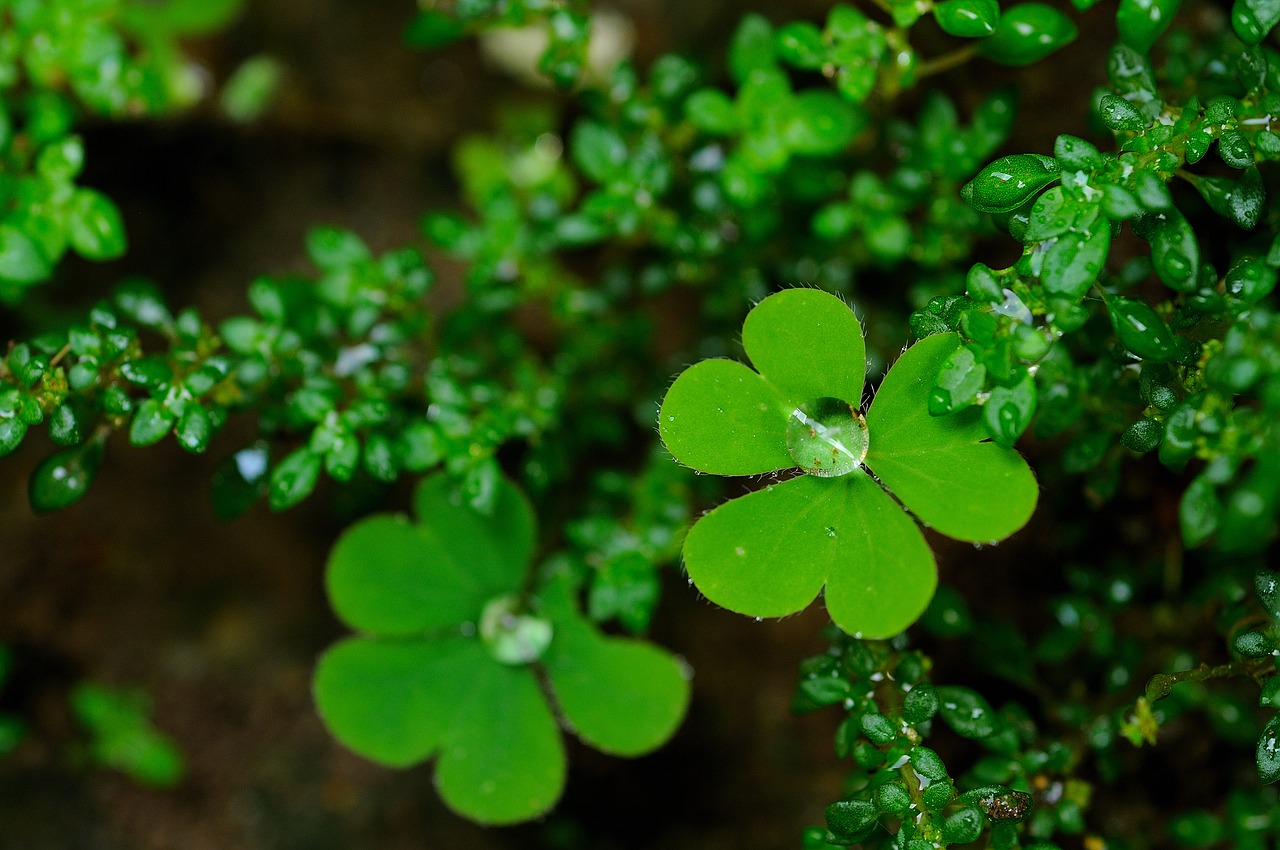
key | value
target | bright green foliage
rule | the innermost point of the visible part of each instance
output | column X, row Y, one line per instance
column 114, row 58
column 769, row 553
column 325, row 360
column 1026, row 33
column 453, row 646
column 121, row 736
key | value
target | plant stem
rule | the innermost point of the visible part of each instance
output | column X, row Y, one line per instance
column 946, row 61
column 1161, row 684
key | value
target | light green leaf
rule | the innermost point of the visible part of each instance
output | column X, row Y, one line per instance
column 391, row 578
column 899, row 418
column 938, row 466
column 768, row 554
column 721, row 417
column 20, row 259
column 624, row 697
column 503, row 761
column 980, row 492
column 393, row 701
column 493, row 551
column 808, row 344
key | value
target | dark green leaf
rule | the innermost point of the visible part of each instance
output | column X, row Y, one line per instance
column 1027, row 33
column 967, row 18
column 64, row 478
column 1141, row 330
column 1141, row 22
column 1009, row 182
column 966, row 711
column 95, row 227
column 294, row 479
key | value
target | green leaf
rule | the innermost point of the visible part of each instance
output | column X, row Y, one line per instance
column 1009, row 409
column 12, row 430
column 800, row 44
column 1141, row 330
column 333, row 248
column 494, row 548
column 711, row 111
column 966, row 711
column 391, row 578
column 967, row 18
column 20, row 260
column 1027, row 33
column 937, row 466
column 621, row 696
column 960, row 380
column 1009, row 182
column 1267, row 755
column 1266, row 583
column 767, row 554
column 721, row 417
column 1141, row 22
column 1242, row 201
column 1174, row 251
column 502, row 761
column 95, row 227
column 963, row 827
column 808, row 344
column 1254, row 19
column 598, row 150
column 294, row 479
column 432, row 28
column 1075, row 259
column 821, row 123
column 1199, row 512
column 1120, row 115
column 393, row 701
column 751, row 48
column 64, row 478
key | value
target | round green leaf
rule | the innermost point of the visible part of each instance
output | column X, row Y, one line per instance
column 768, row 554
column 502, row 761
column 1027, row 33
column 721, row 417
column 624, row 697
column 389, row 577
column 391, row 701
column 492, row 551
column 808, row 344
column 95, row 227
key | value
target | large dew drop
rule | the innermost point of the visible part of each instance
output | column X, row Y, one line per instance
column 827, row 437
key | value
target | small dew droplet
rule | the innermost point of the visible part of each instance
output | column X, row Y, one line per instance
column 831, row 532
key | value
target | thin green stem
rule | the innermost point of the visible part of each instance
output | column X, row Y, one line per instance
column 947, row 61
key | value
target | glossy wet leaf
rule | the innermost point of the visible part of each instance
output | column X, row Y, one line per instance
column 64, row 478
column 1141, row 22
column 768, row 554
column 1075, row 259
column 1175, row 251
column 1009, row 182
column 967, row 18
column 1009, row 409
column 1120, row 115
column 1254, row 19
column 966, row 711
column 1026, row 33
column 1141, row 330
column 1267, row 753
column 961, row 379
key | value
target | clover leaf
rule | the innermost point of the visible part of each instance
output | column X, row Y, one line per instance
column 841, row 523
column 450, row 658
